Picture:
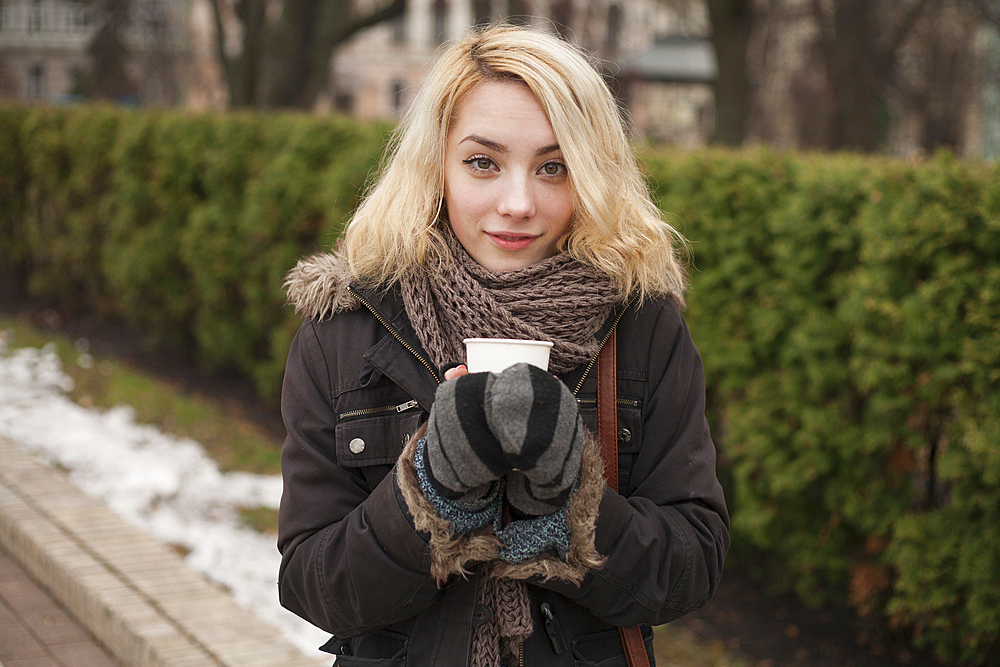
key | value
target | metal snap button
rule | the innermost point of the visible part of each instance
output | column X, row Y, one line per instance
column 357, row 446
column 624, row 435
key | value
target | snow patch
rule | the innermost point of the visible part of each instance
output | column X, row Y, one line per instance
column 167, row 486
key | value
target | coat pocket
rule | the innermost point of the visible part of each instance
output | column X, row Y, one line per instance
column 383, row 648
column 604, row 648
column 377, row 439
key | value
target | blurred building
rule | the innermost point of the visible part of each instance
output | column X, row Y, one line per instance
column 47, row 50
column 655, row 56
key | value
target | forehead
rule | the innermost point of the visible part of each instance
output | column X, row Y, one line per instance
column 501, row 107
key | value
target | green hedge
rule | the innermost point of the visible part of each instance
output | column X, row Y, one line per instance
column 181, row 224
column 847, row 310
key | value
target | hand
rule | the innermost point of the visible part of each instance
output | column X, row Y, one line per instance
column 536, row 420
column 463, row 456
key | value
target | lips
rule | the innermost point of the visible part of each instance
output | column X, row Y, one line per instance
column 511, row 240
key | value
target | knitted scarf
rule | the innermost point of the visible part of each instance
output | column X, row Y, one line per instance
column 558, row 299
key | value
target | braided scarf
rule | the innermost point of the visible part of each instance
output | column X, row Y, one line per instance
column 558, row 299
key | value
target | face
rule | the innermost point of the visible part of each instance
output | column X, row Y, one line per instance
column 505, row 182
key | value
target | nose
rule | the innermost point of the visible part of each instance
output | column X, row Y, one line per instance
column 517, row 200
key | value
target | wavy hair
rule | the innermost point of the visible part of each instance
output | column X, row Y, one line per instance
column 616, row 227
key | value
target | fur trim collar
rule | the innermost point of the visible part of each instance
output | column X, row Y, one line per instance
column 317, row 286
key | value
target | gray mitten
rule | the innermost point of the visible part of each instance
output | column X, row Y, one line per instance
column 535, row 418
column 463, row 457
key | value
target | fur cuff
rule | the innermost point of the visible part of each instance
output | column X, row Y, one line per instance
column 582, row 519
column 450, row 554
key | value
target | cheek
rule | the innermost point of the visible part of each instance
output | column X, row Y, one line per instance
column 561, row 210
column 464, row 202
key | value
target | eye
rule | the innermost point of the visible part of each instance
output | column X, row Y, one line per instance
column 480, row 163
column 553, row 169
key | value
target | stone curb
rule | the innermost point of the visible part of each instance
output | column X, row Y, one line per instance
column 132, row 592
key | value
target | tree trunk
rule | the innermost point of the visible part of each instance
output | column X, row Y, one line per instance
column 856, row 74
column 731, row 23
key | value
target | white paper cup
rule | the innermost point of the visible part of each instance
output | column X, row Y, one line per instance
column 495, row 354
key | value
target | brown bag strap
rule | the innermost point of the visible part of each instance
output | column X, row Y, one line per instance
column 607, row 434
column 607, row 410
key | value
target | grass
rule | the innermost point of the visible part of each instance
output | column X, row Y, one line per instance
column 237, row 443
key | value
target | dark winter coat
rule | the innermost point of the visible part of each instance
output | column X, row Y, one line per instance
column 358, row 385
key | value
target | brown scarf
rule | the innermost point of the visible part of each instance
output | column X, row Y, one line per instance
column 558, row 299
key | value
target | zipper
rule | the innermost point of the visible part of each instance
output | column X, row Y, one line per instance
column 623, row 402
column 395, row 334
column 367, row 412
column 520, row 654
column 603, row 341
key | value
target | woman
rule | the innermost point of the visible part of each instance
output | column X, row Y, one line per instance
column 438, row 517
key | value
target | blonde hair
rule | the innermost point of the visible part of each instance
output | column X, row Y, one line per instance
column 616, row 227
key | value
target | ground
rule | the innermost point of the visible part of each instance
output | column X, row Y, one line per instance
column 742, row 621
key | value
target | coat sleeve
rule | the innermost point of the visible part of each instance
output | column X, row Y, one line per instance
column 351, row 558
column 666, row 543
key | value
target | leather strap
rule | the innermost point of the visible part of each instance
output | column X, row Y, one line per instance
column 635, row 648
column 607, row 434
column 607, row 409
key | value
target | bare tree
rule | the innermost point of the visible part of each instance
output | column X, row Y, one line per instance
column 284, row 61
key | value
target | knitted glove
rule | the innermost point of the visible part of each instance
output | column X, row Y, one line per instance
column 463, row 456
column 535, row 418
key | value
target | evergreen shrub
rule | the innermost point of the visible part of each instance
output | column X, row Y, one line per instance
column 848, row 313
column 181, row 224
column 847, row 309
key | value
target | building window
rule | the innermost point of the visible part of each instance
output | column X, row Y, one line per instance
column 77, row 17
column 35, row 16
column 614, row 27
column 562, row 17
column 440, row 20
column 75, row 80
column 483, row 12
column 36, row 83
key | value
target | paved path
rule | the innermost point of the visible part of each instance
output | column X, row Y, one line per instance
column 133, row 594
column 35, row 630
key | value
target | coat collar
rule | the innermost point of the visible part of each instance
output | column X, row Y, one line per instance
column 399, row 356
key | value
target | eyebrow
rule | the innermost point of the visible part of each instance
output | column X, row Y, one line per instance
column 500, row 148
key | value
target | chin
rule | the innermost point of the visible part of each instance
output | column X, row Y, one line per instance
column 505, row 264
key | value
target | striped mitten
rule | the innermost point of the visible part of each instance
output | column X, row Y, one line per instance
column 535, row 418
column 463, row 457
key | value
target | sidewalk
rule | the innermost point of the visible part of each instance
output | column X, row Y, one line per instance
column 35, row 631
column 132, row 593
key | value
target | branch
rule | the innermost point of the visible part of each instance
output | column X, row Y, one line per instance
column 905, row 26
column 392, row 10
